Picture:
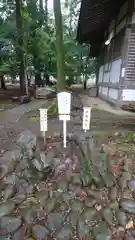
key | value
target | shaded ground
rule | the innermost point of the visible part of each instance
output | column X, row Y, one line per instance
column 63, row 209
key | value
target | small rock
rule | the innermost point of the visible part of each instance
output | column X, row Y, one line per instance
column 123, row 181
column 40, row 232
column 28, row 213
column 55, row 162
column 97, row 180
column 29, row 188
column 83, row 230
column 128, row 236
column 114, row 205
column 76, row 206
column 3, row 171
column 60, row 170
column 132, row 186
column 132, row 232
column 113, row 193
column 42, row 196
column 67, row 196
column 76, row 180
column 128, row 206
column 108, row 215
column 108, row 179
column 11, row 179
column 65, row 233
column 90, row 202
column 126, row 194
column 24, row 99
column 73, row 188
column 6, row 208
column 98, row 207
column 91, row 215
column 19, row 198
column 26, row 137
column 73, row 218
column 50, row 204
column 122, row 219
column 94, row 194
column 62, row 185
column 20, row 234
column 2, row 151
column 116, row 134
column 120, row 232
column 130, row 225
column 101, row 232
column 63, row 207
column 5, row 237
column 10, row 224
column 9, row 191
column 55, row 220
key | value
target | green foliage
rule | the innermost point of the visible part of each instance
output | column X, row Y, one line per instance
column 53, row 108
column 39, row 41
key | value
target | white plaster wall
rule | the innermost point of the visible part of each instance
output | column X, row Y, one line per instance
column 133, row 18
column 100, row 89
column 105, row 90
column 100, row 74
column 115, row 71
column 106, row 77
column 128, row 95
column 113, row 93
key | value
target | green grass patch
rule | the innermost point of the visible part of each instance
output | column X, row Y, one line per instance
column 35, row 118
column 53, row 108
column 100, row 133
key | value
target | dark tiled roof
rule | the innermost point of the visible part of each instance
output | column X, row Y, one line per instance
column 95, row 16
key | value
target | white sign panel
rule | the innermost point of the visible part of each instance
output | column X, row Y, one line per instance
column 86, row 118
column 64, row 117
column 43, row 120
column 64, row 103
column 123, row 72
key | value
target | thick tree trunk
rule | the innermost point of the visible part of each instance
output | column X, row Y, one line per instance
column 85, row 84
column 20, row 46
column 38, row 80
column 42, row 12
column 46, row 12
column 3, row 85
column 61, row 82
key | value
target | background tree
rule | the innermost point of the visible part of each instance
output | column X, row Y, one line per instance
column 28, row 45
column 59, row 46
column 20, row 44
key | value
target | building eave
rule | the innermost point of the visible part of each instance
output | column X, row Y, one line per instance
column 94, row 18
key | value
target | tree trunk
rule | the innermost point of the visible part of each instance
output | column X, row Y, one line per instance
column 85, row 75
column 42, row 13
column 38, row 80
column 20, row 46
column 3, row 85
column 46, row 12
column 85, row 84
column 61, row 82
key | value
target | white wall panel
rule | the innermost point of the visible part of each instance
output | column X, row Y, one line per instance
column 106, row 77
column 104, row 90
column 100, row 89
column 128, row 95
column 113, row 93
column 115, row 71
column 100, row 74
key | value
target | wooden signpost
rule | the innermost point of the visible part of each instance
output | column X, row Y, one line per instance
column 43, row 123
column 64, row 108
column 86, row 118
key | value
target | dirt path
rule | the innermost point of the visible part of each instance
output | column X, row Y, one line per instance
column 59, row 207
column 13, row 121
